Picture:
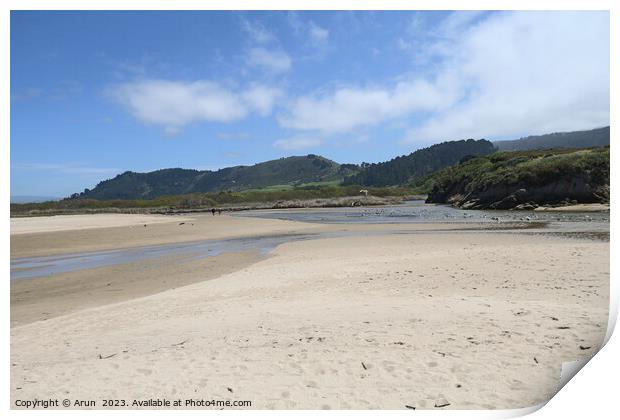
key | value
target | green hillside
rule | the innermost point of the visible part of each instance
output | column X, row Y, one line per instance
column 526, row 179
column 293, row 170
column 419, row 163
column 299, row 171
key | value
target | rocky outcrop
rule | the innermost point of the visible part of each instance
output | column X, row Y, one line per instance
column 563, row 191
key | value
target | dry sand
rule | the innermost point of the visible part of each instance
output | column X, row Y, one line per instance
column 591, row 207
column 42, row 298
column 23, row 225
column 482, row 320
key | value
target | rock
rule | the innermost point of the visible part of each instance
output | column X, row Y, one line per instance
column 441, row 402
column 521, row 195
column 471, row 204
column 564, row 189
column 526, row 206
column 505, row 203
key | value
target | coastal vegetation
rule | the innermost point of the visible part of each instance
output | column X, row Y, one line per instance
column 523, row 180
column 466, row 173
column 321, row 195
column 293, row 171
column 418, row 164
column 286, row 173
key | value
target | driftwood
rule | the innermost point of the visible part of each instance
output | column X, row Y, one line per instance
column 108, row 356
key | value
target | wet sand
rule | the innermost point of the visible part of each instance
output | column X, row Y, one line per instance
column 199, row 227
column 479, row 319
column 47, row 297
column 41, row 298
column 39, row 241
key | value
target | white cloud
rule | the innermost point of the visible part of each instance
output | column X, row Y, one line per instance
column 492, row 76
column 257, row 32
column 294, row 21
column 174, row 104
column 314, row 35
column 526, row 73
column 404, row 45
column 348, row 108
column 261, row 98
column 297, row 143
column 457, row 22
column 275, row 61
column 317, row 33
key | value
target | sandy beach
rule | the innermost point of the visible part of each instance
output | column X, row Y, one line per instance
column 40, row 240
column 24, row 225
column 432, row 315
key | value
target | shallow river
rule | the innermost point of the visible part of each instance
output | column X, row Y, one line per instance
column 419, row 212
column 584, row 225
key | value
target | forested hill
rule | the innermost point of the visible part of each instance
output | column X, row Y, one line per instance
column 300, row 170
column 419, row 163
column 291, row 170
column 571, row 140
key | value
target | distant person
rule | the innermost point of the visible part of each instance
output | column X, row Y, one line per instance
column 213, row 211
column 219, row 211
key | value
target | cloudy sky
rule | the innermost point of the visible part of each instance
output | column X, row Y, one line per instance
column 97, row 93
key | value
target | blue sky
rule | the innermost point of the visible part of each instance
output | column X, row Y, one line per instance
column 96, row 93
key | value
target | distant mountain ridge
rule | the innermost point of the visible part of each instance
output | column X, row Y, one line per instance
column 296, row 170
column 597, row 137
column 291, row 170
